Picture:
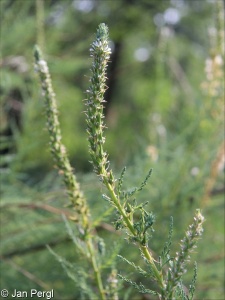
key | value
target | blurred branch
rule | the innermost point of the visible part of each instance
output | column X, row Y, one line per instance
column 214, row 258
column 46, row 207
column 180, row 76
column 35, row 248
column 218, row 191
column 216, row 166
column 29, row 275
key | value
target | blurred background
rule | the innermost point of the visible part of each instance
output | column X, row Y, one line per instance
column 164, row 110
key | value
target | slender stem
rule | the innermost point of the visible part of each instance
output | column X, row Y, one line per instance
column 120, row 208
column 144, row 249
column 96, row 269
column 60, row 156
column 158, row 275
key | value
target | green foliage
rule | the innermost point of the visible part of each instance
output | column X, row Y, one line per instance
column 78, row 275
column 158, row 118
column 127, row 212
column 165, row 256
column 141, row 89
column 139, row 287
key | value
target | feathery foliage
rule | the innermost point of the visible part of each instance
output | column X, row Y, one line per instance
column 131, row 216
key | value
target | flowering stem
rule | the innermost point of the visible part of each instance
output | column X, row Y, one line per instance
column 188, row 244
column 58, row 150
column 100, row 53
column 60, row 156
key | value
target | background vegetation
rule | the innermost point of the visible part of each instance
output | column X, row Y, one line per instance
column 164, row 110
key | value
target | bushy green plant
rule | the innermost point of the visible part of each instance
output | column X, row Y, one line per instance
column 165, row 270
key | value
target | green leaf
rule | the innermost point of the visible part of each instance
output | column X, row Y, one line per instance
column 140, row 287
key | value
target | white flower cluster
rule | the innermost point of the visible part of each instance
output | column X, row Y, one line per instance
column 43, row 66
